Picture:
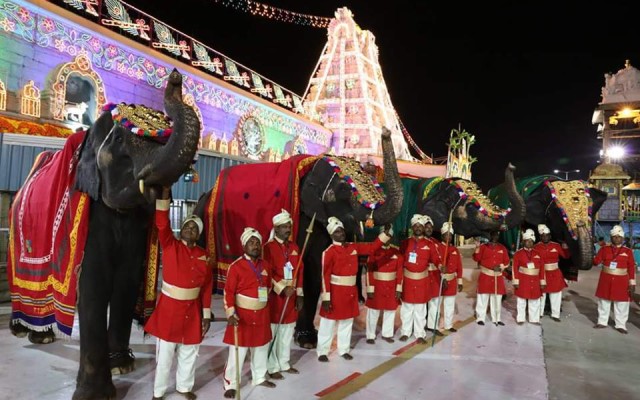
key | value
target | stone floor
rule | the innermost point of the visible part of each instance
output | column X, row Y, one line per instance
column 566, row 360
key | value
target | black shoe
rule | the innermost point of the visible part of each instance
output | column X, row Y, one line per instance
column 323, row 359
column 436, row 332
column 453, row 330
column 347, row 356
column 480, row 323
column 230, row 394
column 500, row 323
column 371, row 341
column 555, row 319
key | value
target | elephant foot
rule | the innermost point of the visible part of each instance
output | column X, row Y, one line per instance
column 44, row 337
column 95, row 392
column 19, row 330
column 121, row 362
column 307, row 339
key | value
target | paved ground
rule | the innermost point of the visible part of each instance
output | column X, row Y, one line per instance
column 567, row 360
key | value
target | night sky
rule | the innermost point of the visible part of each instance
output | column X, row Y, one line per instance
column 524, row 79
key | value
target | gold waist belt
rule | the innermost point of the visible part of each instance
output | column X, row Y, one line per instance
column 384, row 276
column 450, row 277
column 416, row 275
column 529, row 271
column 551, row 267
column 490, row 272
column 249, row 303
column 349, row 280
column 178, row 293
column 617, row 271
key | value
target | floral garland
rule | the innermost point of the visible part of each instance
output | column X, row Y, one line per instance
column 148, row 122
column 351, row 172
column 561, row 207
column 496, row 213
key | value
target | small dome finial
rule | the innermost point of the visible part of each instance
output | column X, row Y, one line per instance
column 627, row 63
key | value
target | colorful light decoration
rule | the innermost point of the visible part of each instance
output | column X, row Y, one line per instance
column 30, row 100
column 3, row 96
column 275, row 13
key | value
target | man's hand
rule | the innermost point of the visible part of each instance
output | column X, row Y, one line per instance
column 459, row 288
column 369, row 295
column 564, row 245
column 166, row 190
column 543, row 286
column 399, row 296
column 387, row 230
column 497, row 268
column 326, row 306
column 233, row 320
column 206, row 324
column 632, row 290
column 299, row 303
column 288, row 291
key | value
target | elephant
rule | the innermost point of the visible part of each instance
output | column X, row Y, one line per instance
column 322, row 194
column 566, row 207
column 122, row 174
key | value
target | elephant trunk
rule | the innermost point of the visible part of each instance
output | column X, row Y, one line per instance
column 386, row 213
column 167, row 163
column 518, row 206
column 585, row 248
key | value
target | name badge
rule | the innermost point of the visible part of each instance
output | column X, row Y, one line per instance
column 413, row 257
column 530, row 265
column 262, row 294
column 288, row 271
column 613, row 265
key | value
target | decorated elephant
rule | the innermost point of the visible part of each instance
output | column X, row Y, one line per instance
column 111, row 177
column 308, row 187
column 566, row 207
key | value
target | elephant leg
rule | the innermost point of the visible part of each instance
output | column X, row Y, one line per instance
column 306, row 335
column 44, row 337
column 18, row 330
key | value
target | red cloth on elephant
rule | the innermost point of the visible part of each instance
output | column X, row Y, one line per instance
column 551, row 253
column 339, row 270
column 615, row 287
column 244, row 278
column 417, row 290
column 384, row 261
column 48, row 224
column 250, row 195
column 277, row 254
column 490, row 255
column 454, row 266
column 528, row 285
column 175, row 320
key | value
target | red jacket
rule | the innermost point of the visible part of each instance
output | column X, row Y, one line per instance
column 490, row 255
column 453, row 269
column 277, row 254
column 339, row 270
column 241, row 297
column 551, row 253
column 187, row 275
column 384, row 278
column 416, row 281
column 526, row 262
column 614, row 283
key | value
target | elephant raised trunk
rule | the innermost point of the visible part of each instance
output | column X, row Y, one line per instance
column 164, row 165
column 518, row 206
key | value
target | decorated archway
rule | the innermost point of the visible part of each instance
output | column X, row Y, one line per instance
column 80, row 66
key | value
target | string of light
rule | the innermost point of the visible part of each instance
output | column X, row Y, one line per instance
column 275, row 13
column 411, row 142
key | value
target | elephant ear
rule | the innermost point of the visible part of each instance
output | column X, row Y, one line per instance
column 87, row 173
column 311, row 203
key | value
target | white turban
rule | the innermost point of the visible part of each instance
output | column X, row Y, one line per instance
column 617, row 231
column 283, row 218
column 197, row 220
column 332, row 224
column 447, row 228
column 529, row 235
column 248, row 234
column 421, row 219
column 543, row 229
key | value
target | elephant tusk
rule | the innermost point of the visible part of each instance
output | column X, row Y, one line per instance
column 141, row 185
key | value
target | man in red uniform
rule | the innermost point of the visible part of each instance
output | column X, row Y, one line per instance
column 452, row 274
column 551, row 253
column 493, row 259
column 245, row 302
column 435, row 279
column 418, row 252
column 284, row 257
column 183, row 313
column 339, row 293
column 528, row 279
column 617, row 281
column 384, row 289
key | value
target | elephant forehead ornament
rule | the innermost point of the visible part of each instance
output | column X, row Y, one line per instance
column 471, row 192
column 141, row 120
column 364, row 187
column 574, row 202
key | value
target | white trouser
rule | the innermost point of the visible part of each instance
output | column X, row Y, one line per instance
column 620, row 312
column 483, row 301
column 534, row 310
column 413, row 317
column 258, row 365
column 556, row 301
column 388, row 317
column 325, row 335
column 186, row 369
column 449, row 308
column 281, row 351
